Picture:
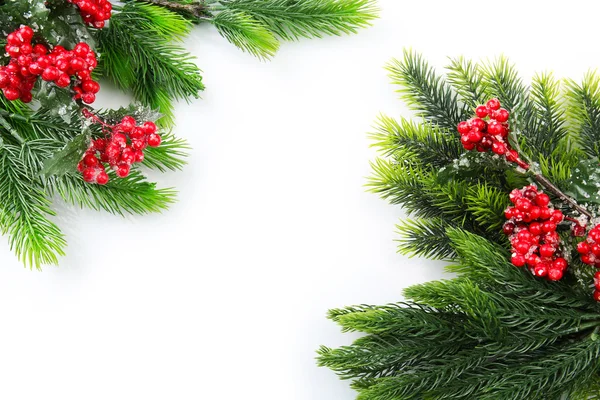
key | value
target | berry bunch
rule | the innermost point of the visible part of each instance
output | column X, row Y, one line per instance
column 590, row 247
column 28, row 62
column 531, row 228
column 94, row 12
column 482, row 135
column 124, row 146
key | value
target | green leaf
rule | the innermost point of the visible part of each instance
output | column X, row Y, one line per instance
column 584, row 185
column 66, row 160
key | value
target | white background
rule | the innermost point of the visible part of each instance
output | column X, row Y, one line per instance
column 224, row 296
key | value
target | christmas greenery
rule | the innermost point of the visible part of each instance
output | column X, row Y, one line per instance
column 58, row 50
column 493, row 331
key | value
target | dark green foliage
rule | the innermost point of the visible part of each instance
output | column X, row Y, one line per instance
column 494, row 331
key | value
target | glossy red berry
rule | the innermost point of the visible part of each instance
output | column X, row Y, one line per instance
column 154, row 140
column 102, row 178
column 493, row 104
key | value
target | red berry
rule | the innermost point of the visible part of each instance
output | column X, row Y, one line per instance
column 463, row 127
column 547, row 250
column 493, row 104
column 88, row 98
column 119, row 139
column 149, row 127
column 555, row 274
column 138, row 156
column 127, row 124
column 522, row 247
column 90, row 160
column 518, row 260
column 560, row 263
column 499, row 148
column 102, row 178
column 502, row 115
column 89, row 174
column 481, row 111
column 138, row 133
column 50, row 74
column 508, row 228
column 597, row 295
column 26, row 33
column 122, row 170
column 583, row 248
column 63, row 80
column 11, row 93
column 154, row 140
column 90, row 86
column 541, row 269
column 542, row 199
column 475, row 136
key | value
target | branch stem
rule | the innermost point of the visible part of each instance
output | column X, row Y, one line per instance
column 549, row 186
column 6, row 125
column 196, row 9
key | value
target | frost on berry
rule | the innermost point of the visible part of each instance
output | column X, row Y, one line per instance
column 62, row 67
column 488, row 131
column 123, row 146
column 531, row 227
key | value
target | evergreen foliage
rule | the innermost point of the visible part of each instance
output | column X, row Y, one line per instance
column 140, row 51
column 494, row 331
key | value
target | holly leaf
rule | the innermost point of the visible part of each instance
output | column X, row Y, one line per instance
column 584, row 185
column 138, row 111
column 66, row 160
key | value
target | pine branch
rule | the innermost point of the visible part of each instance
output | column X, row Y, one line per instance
column 425, row 238
column 131, row 195
column 583, row 109
column 291, row 20
column 247, row 33
column 408, row 140
column 170, row 155
column 550, row 126
column 25, row 212
column 466, row 79
column 139, row 55
column 425, row 92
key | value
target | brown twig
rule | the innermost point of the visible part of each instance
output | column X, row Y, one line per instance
column 196, row 9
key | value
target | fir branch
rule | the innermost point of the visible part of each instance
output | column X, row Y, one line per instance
column 170, row 155
column 291, row 20
column 138, row 54
column 25, row 212
column 486, row 204
column 425, row 238
column 424, row 91
column 247, row 33
column 402, row 319
column 550, row 126
column 583, row 109
column 501, row 80
column 131, row 195
column 466, row 79
column 424, row 142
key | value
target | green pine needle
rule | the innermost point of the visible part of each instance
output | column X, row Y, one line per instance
column 247, row 33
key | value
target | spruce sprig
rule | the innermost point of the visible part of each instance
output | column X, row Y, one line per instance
column 494, row 331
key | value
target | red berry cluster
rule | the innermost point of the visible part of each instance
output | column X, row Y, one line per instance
column 597, row 286
column 531, row 228
column 482, row 135
column 120, row 150
column 94, row 12
column 29, row 62
column 590, row 247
